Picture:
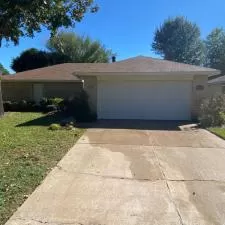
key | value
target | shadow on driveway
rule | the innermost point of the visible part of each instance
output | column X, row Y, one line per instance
column 137, row 124
column 111, row 124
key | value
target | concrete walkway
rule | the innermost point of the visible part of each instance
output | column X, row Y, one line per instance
column 115, row 176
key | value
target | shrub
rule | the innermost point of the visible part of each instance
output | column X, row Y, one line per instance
column 212, row 111
column 50, row 108
column 51, row 104
column 51, row 101
column 43, row 102
column 7, row 106
column 79, row 108
column 55, row 101
column 15, row 107
column 67, row 121
column 21, row 106
column 54, row 126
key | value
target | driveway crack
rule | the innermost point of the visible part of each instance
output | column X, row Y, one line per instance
column 50, row 223
column 168, row 188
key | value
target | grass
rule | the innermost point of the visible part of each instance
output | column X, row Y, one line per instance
column 28, row 151
column 218, row 131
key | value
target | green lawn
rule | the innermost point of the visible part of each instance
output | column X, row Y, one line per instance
column 218, row 131
column 28, row 151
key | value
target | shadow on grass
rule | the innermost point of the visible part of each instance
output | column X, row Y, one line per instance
column 46, row 120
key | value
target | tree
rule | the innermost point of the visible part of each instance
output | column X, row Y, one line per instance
column 1, row 101
column 215, row 49
column 78, row 49
column 25, row 17
column 3, row 70
column 178, row 39
column 33, row 58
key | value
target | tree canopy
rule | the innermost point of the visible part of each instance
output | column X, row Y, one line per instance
column 33, row 58
column 179, row 40
column 215, row 49
column 78, row 49
column 3, row 70
column 25, row 17
column 63, row 48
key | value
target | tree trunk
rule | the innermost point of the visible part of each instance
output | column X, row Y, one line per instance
column 1, row 102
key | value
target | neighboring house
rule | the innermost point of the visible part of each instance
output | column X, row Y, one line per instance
column 216, row 86
column 136, row 88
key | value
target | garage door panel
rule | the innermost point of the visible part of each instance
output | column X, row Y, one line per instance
column 160, row 100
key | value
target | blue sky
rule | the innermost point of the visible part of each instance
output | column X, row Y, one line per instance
column 127, row 26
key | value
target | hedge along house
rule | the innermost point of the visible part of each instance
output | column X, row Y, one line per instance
column 136, row 88
column 49, row 82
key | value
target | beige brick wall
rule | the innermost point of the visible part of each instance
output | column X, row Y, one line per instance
column 198, row 94
column 90, row 86
column 13, row 91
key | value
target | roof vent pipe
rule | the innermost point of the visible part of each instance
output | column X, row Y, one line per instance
column 113, row 58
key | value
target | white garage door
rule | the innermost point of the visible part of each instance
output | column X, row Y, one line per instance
column 150, row 100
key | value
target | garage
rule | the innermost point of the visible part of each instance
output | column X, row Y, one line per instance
column 145, row 88
column 144, row 99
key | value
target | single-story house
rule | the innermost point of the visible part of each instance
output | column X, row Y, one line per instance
column 49, row 82
column 136, row 88
column 216, row 86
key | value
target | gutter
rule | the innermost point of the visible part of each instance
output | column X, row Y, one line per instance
column 39, row 81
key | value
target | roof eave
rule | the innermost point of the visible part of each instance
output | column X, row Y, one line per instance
column 39, row 81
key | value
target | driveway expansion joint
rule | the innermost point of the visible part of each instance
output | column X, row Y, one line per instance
column 138, row 179
column 149, row 145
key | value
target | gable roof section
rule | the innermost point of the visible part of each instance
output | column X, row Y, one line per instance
column 146, row 65
column 60, row 72
column 218, row 80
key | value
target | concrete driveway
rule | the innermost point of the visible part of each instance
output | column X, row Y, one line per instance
column 156, row 174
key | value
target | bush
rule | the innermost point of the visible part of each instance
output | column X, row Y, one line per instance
column 68, row 121
column 7, row 106
column 21, row 106
column 79, row 108
column 43, row 102
column 212, row 111
column 15, row 107
column 51, row 101
column 54, row 126
column 50, row 108
column 55, row 101
column 51, row 104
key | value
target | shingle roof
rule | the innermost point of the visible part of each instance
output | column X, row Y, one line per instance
column 61, row 72
column 148, row 65
column 217, row 80
column 140, row 64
